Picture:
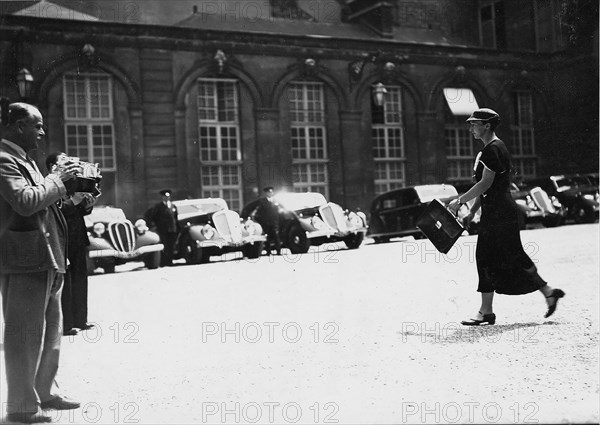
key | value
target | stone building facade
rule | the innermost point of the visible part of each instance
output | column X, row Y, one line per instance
column 241, row 95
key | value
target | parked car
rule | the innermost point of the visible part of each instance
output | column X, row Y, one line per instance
column 534, row 204
column 395, row 213
column 592, row 178
column 208, row 227
column 575, row 192
column 307, row 219
column 114, row 240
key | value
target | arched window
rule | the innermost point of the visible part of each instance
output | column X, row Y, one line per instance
column 89, row 118
column 220, row 144
column 387, row 136
column 308, row 137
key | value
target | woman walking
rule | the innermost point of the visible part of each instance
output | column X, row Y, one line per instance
column 502, row 264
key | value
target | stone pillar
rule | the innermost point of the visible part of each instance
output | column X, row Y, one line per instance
column 138, row 172
column 273, row 153
column 430, row 147
column 357, row 161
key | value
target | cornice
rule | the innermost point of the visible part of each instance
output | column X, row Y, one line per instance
column 119, row 35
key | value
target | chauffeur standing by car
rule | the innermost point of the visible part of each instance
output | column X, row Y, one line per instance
column 33, row 243
column 163, row 216
column 267, row 215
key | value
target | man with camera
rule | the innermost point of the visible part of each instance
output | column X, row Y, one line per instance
column 33, row 242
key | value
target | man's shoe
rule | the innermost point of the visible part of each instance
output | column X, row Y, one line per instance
column 28, row 417
column 60, row 403
column 87, row 326
column 72, row 331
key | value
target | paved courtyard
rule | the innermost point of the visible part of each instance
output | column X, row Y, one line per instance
column 351, row 337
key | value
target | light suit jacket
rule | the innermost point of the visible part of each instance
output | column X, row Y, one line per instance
column 33, row 232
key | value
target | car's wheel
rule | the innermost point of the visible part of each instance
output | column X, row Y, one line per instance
column 109, row 266
column 584, row 214
column 354, row 241
column 298, row 241
column 552, row 221
column 90, row 265
column 254, row 251
column 522, row 221
column 194, row 254
column 152, row 260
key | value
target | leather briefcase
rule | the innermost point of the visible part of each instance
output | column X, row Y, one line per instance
column 440, row 226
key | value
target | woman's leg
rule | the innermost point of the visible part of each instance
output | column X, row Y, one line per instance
column 487, row 298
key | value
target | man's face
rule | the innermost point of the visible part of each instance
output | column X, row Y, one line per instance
column 31, row 130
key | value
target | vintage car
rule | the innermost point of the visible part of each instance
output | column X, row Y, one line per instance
column 307, row 219
column 114, row 240
column 395, row 213
column 208, row 227
column 575, row 192
column 534, row 204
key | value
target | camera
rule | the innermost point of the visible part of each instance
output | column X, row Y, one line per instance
column 87, row 176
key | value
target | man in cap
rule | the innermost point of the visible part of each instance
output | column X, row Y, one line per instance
column 163, row 216
column 267, row 215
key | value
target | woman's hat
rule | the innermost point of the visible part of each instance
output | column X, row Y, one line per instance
column 483, row 114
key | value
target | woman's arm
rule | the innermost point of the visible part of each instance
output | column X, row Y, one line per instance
column 478, row 188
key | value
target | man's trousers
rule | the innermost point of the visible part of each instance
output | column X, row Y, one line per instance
column 32, row 336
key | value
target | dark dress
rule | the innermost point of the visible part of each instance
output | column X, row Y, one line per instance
column 502, row 264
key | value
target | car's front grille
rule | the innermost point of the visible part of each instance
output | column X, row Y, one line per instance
column 333, row 215
column 122, row 235
column 228, row 225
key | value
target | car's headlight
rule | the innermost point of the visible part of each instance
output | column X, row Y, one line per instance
column 555, row 202
column 354, row 219
column 253, row 228
column 589, row 197
column 530, row 203
column 521, row 202
column 208, row 232
column 317, row 223
column 99, row 229
column 141, row 226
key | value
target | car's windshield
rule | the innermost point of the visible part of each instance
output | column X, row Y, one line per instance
column 104, row 215
column 195, row 207
column 566, row 182
column 430, row 192
column 299, row 201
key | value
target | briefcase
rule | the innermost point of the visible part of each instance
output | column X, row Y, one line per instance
column 440, row 226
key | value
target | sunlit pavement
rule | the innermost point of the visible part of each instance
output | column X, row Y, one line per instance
column 337, row 336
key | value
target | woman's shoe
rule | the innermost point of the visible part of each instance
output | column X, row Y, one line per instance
column 556, row 293
column 488, row 319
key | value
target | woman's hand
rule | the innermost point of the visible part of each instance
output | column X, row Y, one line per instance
column 454, row 205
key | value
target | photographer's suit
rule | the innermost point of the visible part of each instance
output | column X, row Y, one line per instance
column 32, row 263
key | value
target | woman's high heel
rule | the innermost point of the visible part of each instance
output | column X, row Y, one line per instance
column 558, row 294
column 488, row 319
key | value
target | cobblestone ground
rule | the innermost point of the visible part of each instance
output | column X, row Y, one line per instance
column 350, row 337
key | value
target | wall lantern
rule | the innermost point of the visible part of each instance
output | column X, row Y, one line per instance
column 379, row 92
column 24, row 83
